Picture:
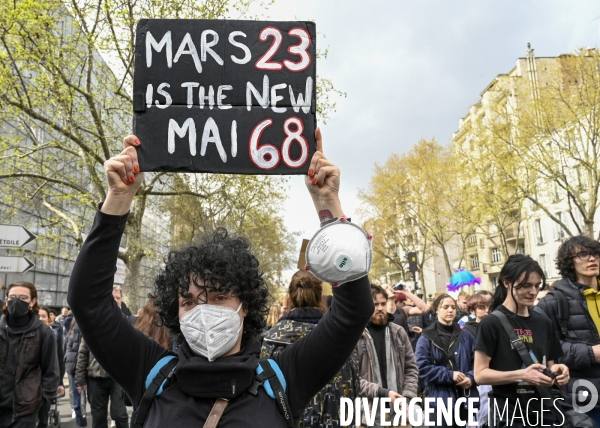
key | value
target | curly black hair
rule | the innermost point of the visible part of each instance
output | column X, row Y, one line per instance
column 220, row 262
column 569, row 249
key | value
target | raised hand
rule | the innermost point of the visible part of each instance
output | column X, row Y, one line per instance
column 124, row 178
column 323, row 183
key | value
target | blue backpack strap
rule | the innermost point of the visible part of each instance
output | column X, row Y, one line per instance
column 267, row 375
column 156, row 379
column 270, row 376
column 156, row 370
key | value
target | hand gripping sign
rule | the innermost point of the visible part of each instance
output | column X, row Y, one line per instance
column 339, row 252
column 225, row 96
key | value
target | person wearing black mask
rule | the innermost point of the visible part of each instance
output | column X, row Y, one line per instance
column 28, row 358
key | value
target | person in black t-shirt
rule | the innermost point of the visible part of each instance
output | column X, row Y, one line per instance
column 515, row 401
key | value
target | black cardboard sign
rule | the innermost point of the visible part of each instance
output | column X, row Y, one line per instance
column 225, row 96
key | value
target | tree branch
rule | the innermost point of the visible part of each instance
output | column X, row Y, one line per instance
column 33, row 114
column 76, row 229
column 42, row 177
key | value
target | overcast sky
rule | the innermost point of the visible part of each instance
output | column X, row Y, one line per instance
column 412, row 69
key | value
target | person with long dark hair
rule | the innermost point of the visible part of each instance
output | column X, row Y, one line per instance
column 445, row 357
column 306, row 310
column 498, row 363
column 212, row 297
column 578, row 322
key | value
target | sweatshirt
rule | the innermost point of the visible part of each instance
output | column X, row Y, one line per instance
column 128, row 355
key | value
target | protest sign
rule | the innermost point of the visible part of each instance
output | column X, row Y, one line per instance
column 225, row 96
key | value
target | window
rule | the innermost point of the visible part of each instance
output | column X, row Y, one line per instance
column 521, row 249
column 493, row 229
column 542, row 260
column 473, row 240
column 539, row 232
column 496, row 255
column 559, row 232
column 474, row 262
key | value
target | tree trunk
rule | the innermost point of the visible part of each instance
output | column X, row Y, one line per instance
column 589, row 227
column 447, row 262
column 132, row 285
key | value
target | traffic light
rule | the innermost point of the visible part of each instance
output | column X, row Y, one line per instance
column 412, row 262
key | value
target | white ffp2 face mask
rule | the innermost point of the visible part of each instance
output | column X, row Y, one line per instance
column 210, row 330
column 339, row 252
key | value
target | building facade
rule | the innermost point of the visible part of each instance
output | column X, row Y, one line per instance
column 529, row 229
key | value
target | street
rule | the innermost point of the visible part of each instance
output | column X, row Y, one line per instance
column 64, row 408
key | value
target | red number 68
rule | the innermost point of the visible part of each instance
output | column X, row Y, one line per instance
column 267, row 156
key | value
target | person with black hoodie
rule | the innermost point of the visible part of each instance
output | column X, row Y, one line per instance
column 28, row 362
column 213, row 299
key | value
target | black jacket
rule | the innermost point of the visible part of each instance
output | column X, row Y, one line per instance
column 72, row 349
column 57, row 329
column 33, row 374
column 128, row 355
column 471, row 327
column 579, row 357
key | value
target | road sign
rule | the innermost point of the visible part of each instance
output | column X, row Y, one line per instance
column 15, row 264
column 14, row 236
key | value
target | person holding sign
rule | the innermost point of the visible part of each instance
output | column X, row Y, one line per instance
column 213, row 299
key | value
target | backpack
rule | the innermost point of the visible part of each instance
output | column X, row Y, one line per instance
column 563, row 317
column 268, row 375
column 323, row 408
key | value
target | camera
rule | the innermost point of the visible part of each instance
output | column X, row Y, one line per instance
column 399, row 286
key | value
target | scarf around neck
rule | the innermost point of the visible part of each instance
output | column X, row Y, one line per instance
column 226, row 377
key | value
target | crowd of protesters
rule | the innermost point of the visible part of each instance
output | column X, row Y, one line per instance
column 449, row 348
column 511, row 349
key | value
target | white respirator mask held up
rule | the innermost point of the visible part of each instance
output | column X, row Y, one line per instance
column 211, row 330
column 339, row 252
